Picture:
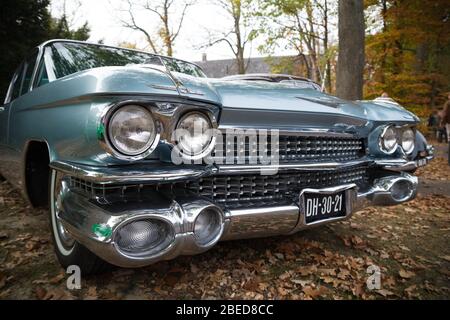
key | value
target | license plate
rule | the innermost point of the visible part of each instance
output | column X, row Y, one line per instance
column 323, row 206
column 421, row 162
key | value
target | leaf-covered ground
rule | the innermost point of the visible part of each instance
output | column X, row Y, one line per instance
column 409, row 243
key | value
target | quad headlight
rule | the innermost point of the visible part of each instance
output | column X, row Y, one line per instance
column 132, row 130
column 388, row 140
column 194, row 135
column 408, row 140
column 391, row 137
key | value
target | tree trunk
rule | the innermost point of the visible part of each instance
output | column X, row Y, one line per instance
column 325, row 48
column 350, row 66
column 236, row 9
column 240, row 50
column 384, row 54
column 241, row 62
column 166, row 31
column 306, row 65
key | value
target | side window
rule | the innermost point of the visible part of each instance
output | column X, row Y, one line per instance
column 29, row 65
column 41, row 76
column 17, row 83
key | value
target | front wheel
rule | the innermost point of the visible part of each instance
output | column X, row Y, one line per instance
column 68, row 250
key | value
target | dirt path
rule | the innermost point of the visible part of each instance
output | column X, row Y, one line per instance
column 408, row 243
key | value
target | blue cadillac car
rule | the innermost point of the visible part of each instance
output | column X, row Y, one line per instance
column 142, row 158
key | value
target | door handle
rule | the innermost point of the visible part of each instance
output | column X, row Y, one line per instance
column 2, row 109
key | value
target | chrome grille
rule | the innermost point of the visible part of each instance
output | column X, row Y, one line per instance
column 95, row 190
column 236, row 188
column 231, row 190
column 290, row 149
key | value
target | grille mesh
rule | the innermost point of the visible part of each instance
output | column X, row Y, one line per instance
column 237, row 188
column 290, row 149
column 234, row 190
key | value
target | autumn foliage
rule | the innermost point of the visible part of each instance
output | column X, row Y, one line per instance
column 408, row 52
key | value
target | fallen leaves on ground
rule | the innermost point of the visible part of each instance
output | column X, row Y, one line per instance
column 408, row 244
column 406, row 274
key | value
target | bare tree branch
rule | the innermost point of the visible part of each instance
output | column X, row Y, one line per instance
column 237, row 37
column 180, row 24
column 133, row 25
column 162, row 9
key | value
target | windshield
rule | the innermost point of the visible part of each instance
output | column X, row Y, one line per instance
column 66, row 58
column 302, row 84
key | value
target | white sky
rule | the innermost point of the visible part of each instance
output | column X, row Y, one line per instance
column 104, row 21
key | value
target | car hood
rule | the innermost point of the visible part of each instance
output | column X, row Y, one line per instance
column 245, row 99
column 243, row 103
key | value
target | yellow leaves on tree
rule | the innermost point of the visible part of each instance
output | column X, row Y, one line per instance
column 409, row 55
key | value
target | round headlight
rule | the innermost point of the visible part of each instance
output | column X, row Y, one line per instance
column 194, row 134
column 388, row 140
column 408, row 141
column 132, row 130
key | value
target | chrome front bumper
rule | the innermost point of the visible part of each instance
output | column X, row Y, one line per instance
column 81, row 214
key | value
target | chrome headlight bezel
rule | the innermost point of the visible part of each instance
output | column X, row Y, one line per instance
column 108, row 143
column 209, row 146
column 408, row 149
column 203, row 234
column 392, row 131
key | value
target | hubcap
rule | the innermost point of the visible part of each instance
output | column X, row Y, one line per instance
column 63, row 238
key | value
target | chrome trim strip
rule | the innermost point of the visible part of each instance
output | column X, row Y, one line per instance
column 132, row 174
column 316, row 132
column 231, row 169
column 161, row 87
column 399, row 165
column 154, row 173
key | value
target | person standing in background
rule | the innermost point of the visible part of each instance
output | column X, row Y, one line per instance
column 434, row 122
column 442, row 133
column 445, row 122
